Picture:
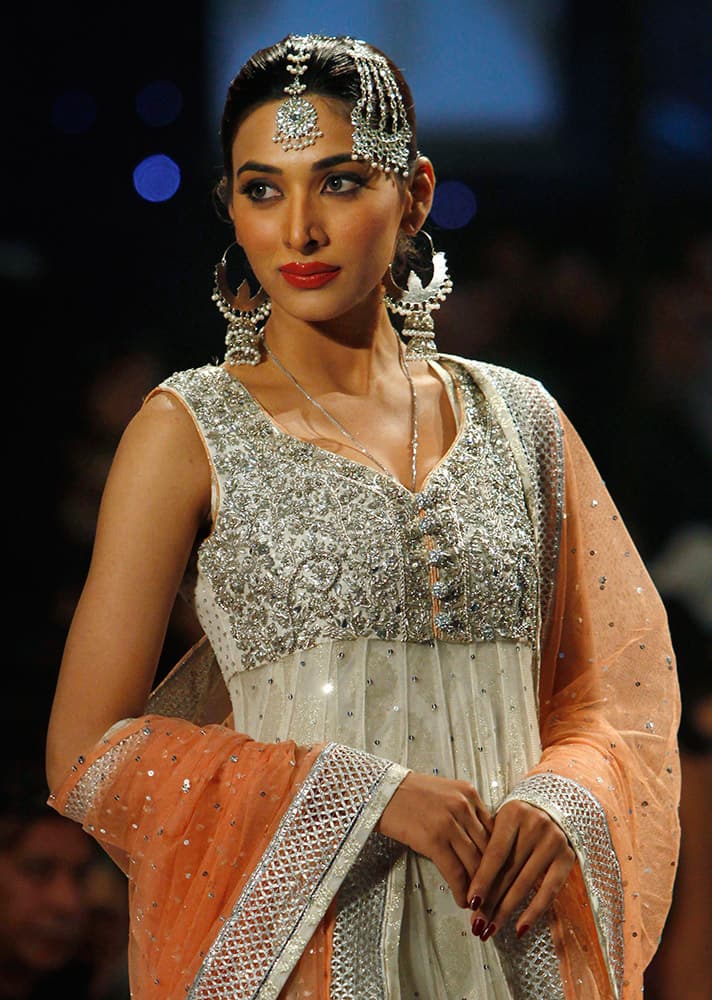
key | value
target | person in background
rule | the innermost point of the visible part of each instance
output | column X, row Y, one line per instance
column 45, row 862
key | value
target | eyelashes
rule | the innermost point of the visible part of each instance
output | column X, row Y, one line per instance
column 340, row 185
column 257, row 191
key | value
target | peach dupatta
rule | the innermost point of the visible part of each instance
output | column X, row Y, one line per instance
column 609, row 771
column 234, row 850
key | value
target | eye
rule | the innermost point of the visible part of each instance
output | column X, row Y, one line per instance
column 343, row 183
column 260, row 191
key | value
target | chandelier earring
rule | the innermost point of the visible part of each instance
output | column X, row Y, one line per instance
column 245, row 314
column 416, row 302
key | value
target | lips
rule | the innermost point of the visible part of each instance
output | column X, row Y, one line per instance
column 310, row 274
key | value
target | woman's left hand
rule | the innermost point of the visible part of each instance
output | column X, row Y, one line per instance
column 527, row 852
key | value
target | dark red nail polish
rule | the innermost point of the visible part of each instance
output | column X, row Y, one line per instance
column 476, row 902
column 478, row 926
column 488, row 932
column 522, row 930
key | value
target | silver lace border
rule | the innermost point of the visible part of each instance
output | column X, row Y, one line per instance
column 317, row 842
column 584, row 822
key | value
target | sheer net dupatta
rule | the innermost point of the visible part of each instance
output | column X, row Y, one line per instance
column 609, row 773
column 234, row 848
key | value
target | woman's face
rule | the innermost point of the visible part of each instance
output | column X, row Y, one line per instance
column 319, row 229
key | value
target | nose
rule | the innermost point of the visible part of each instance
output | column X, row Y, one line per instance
column 304, row 230
column 64, row 893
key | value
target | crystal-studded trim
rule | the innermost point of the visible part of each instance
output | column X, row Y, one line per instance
column 537, row 422
column 583, row 820
column 104, row 769
column 531, row 964
column 357, row 963
column 528, row 416
column 316, row 843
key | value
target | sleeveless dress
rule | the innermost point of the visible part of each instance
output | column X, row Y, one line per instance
column 402, row 631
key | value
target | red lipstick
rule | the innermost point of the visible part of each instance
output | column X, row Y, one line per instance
column 310, row 274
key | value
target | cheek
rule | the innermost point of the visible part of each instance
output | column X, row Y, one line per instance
column 258, row 241
column 375, row 237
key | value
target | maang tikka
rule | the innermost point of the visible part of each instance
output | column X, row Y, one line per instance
column 245, row 315
column 381, row 133
column 296, row 120
column 416, row 302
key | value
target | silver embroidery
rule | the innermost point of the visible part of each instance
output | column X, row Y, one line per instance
column 357, row 948
column 104, row 769
column 308, row 545
column 537, row 424
column 531, row 964
column 584, row 822
column 315, row 844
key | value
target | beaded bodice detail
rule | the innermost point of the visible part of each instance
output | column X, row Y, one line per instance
column 308, row 546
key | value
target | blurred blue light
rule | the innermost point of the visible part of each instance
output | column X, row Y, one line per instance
column 159, row 103
column 454, row 204
column 157, row 178
column 74, row 112
column 682, row 126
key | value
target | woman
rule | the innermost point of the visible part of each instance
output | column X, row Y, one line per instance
column 427, row 747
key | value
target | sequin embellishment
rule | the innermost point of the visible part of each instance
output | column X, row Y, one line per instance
column 308, row 545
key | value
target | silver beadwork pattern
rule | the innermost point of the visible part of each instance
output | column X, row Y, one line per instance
column 105, row 769
column 263, row 937
column 529, row 411
column 333, row 549
column 356, row 963
column 530, row 964
column 296, row 120
column 584, row 822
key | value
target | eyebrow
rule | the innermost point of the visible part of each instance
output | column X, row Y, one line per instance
column 266, row 168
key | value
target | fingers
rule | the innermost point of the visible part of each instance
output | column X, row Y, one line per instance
column 444, row 820
column 492, row 868
column 545, row 895
column 458, row 855
column 453, row 871
column 476, row 821
column 528, row 856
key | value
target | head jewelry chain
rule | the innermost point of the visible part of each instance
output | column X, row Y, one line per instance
column 381, row 133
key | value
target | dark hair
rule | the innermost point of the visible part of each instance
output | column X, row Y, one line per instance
column 330, row 72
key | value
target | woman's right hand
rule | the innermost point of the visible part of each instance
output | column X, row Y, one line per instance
column 444, row 820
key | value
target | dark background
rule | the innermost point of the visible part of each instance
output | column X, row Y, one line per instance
column 587, row 263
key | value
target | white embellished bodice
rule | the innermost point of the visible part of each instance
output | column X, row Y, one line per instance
column 341, row 606
column 309, row 546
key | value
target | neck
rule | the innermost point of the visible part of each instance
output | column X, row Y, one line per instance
column 346, row 354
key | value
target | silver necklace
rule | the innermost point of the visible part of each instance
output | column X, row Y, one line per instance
column 347, row 434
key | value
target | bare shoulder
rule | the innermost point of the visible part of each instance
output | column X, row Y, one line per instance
column 162, row 449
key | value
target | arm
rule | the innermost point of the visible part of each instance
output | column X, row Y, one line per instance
column 156, row 499
column 215, row 830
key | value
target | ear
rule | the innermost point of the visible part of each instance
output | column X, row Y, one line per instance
column 421, row 189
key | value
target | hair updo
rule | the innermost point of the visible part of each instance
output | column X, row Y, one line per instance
column 330, row 72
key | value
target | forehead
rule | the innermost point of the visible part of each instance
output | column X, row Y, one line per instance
column 254, row 137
